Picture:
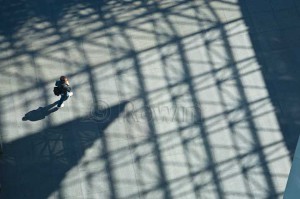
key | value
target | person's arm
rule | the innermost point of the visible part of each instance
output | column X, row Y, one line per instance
column 69, row 88
column 66, row 88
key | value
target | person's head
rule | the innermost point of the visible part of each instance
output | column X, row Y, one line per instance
column 63, row 79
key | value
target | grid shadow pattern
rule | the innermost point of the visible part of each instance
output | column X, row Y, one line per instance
column 170, row 102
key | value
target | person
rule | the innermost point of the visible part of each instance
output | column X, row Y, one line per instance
column 65, row 90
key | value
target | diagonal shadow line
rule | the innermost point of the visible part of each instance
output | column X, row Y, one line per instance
column 34, row 166
column 202, row 129
column 250, row 122
column 118, row 59
column 163, row 57
column 163, row 184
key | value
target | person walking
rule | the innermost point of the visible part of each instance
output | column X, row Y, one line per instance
column 64, row 90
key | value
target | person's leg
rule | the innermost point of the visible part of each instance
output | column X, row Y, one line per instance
column 66, row 97
column 61, row 100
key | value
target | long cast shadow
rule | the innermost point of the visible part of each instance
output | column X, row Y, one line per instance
column 40, row 113
column 34, row 166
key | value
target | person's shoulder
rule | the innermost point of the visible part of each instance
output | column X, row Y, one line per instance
column 66, row 85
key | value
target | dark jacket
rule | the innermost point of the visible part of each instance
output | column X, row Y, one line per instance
column 63, row 87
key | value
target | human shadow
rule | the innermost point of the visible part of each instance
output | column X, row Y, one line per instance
column 34, row 166
column 40, row 113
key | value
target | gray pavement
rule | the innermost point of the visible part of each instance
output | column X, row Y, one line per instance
column 172, row 99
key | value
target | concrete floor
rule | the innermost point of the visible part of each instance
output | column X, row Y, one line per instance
column 172, row 99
